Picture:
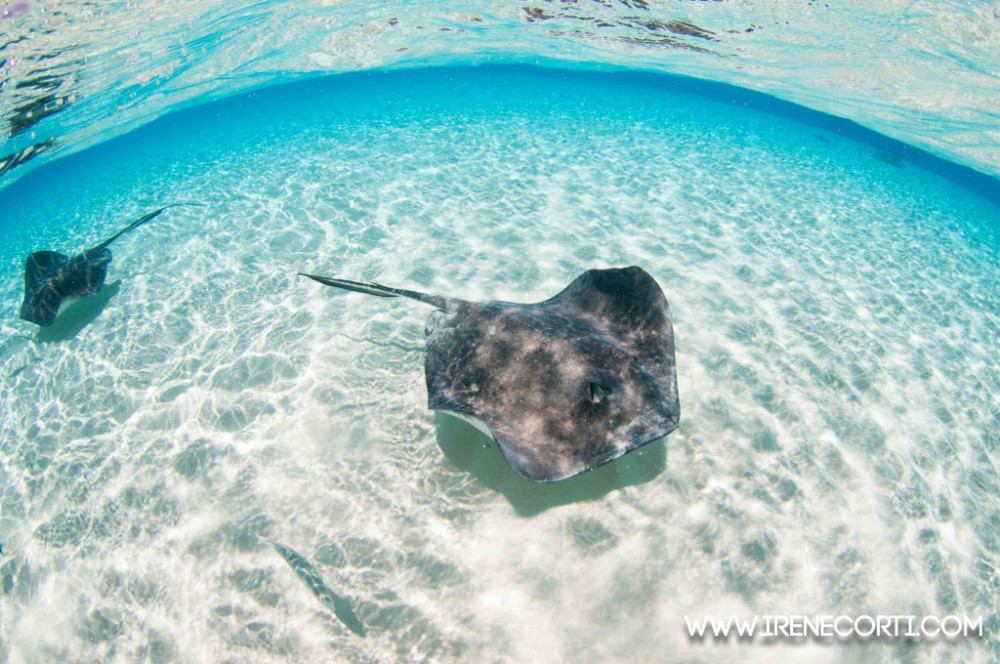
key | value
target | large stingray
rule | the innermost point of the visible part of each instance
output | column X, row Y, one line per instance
column 52, row 279
column 563, row 385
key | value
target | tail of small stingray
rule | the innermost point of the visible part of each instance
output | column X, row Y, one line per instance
column 135, row 224
column 371, row 288
column 340, row 606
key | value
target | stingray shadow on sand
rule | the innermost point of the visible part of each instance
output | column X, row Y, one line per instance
column 78, row 315
column 474, row 452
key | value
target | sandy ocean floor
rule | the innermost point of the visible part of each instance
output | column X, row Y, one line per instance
column 836, row 312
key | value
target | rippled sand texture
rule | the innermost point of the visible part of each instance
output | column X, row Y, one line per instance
column 836, row 316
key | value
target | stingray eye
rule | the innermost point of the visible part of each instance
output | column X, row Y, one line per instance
column 599, row 392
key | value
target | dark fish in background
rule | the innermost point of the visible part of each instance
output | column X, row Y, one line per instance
column 340, row 606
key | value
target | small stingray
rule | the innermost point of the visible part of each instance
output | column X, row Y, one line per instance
column 305, row 571
column 563, row 385
column 52, row 280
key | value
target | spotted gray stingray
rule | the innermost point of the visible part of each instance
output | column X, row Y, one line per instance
column 563, row 385
column 52, row 279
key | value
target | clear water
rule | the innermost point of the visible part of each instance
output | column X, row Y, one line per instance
column 75, row 72
column 836, row 312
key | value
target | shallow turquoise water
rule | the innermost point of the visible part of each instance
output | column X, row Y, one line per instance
column 836, row 314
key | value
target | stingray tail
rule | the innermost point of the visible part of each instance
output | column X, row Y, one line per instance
column 135, row 224
column 371, row 288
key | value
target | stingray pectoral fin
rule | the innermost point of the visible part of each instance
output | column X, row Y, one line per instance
column 478, row 424
column 41, row 265
column 371, row 288
column 40, row 311
column 529, row 465
column 41, row 300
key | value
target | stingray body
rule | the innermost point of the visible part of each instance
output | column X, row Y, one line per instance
column 563, row 385
column 52, row 279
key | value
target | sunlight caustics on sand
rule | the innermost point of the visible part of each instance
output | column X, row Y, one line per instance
column 836, row 317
